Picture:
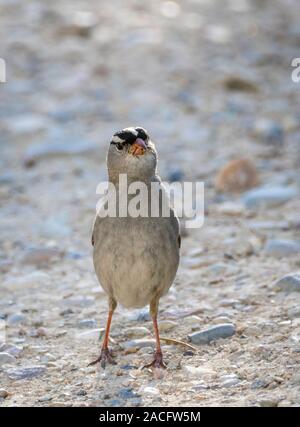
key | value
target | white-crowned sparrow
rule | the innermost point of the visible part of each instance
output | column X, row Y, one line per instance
column 135, row 258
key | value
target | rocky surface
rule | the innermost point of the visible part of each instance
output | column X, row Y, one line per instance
column 211, row 82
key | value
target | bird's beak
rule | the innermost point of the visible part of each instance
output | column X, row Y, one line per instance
column 138, row 148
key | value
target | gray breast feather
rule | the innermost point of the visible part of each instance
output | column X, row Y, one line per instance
column 136, row 258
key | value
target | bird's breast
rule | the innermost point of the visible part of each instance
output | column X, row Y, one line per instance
column 135, row 258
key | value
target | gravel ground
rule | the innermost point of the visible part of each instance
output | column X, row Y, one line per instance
column 211, row 81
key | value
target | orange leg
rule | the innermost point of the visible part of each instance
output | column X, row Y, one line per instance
column 105, row 354
column 158, row 357
column 106, row 336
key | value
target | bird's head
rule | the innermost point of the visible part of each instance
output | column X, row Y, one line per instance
column 132, row 152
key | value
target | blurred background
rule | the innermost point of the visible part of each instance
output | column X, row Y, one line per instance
column 211, row 82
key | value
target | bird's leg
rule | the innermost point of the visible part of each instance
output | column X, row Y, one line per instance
column 105, row 354
column 158, row 357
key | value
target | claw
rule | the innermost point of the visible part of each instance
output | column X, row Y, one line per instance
column 105, row 356
column 157, row 362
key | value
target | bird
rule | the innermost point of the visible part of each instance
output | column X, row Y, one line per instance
column 135, row 257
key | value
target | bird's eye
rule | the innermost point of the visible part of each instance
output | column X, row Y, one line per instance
column 119, row 146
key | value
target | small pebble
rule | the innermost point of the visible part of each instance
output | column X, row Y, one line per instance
column 282, row 248
column 127, row 393
column 288, row 283
column 167, row 325
column 26, row 373
column 3, row 393
column 45, row 398
column 150, row 390
column 92, row 334
column 294, row 312
column 269, row 196
column 269, row 131
column 142, row 315
column 138, row 343
column 15, row 319
column 11, row 349
column 229, row 380
column 87, row 323
column 6, row 358
column 224, row 330
column 136, row 331
column 198, row 372
column 175, row 175
column 259, row 384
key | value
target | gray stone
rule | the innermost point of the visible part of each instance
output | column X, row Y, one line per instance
column 127, row 393
column 269, row 196
column 6, row 358
column 15, row 319
column 150, row 390
column 146, row 350
column 11, row 349
column 268, row 225
column 269, row 131
column 288, row 283
column 167, row 325
column 201, row 386
column 26, row 373
column 137, row 332
column 175, row 175
column 140, row 315
column 230, row 380
column 6, row 178
column 198, row 371
column 294, row 312
column 91, row 334
column 281, row 248
column 87, row 323
column 218, row 268
column 259, row 384
column 295, row 378
column 138, row 343
column 46, row 398
column 224, row 330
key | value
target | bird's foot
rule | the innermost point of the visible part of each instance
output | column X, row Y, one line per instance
column 157, row 362
column 105, row 357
